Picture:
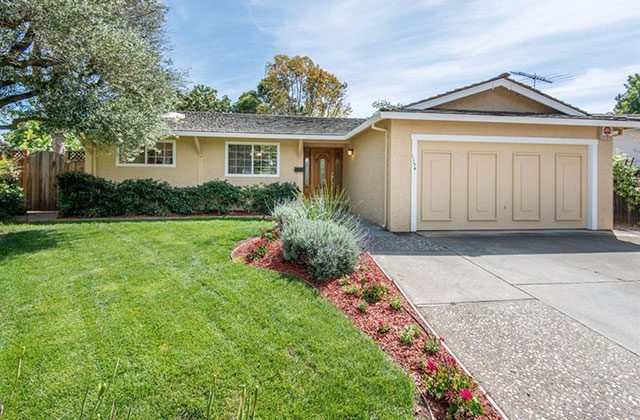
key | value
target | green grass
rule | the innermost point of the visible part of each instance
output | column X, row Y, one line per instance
column 164, row 299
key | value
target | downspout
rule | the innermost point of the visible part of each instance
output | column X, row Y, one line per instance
column 386, row 169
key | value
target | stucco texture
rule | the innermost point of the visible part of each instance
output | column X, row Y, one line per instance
column 193, row 169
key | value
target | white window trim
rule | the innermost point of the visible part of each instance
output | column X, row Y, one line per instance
column 226, row 160
column 149, row 165
column 592, row 166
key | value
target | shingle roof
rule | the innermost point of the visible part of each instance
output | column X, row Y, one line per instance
column 493, row 79
column 262, row 124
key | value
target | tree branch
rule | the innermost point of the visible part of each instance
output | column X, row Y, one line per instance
column 5, row 83
column 17, row 98
column 23, row 64
column 22, row 45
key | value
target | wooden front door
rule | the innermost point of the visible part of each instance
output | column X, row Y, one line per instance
column 322, row 169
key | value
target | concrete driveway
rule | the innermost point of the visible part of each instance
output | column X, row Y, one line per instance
column 548, row 322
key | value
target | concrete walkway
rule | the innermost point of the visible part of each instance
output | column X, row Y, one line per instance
column 548, row 323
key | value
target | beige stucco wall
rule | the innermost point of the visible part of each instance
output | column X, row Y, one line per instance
column 364, row 174
column 400, row 160
column 192, row 169
column 498, row 99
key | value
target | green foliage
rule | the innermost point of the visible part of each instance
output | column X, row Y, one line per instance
column 445, row 381
column 432, row 346
column 298, row 86
column 167, row 301
column 32, row 136
column 11, row 201
column 247, row 103
column 396, row 303
column 351, row 289
column 626, row 180
column 629, row 101
column 265, row 198
column 327, row 249
column 362, row 306
column 409, row 333
column 82, row 194
column 89, row 69
column 11, row 195
column 384, row 104
column 373, row 292
column 203, row 98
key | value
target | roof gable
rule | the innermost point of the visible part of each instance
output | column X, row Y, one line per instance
column 521, row 97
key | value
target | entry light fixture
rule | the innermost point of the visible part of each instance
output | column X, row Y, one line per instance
column 351, row 152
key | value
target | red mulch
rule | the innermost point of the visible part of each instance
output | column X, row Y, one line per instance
column 410, row 358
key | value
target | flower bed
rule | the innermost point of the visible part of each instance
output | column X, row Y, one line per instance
column 376, row 307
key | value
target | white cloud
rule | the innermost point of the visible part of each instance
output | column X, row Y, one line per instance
column 406, row 49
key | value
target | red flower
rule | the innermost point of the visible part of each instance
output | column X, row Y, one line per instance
column 431, row 367
column 465, row 394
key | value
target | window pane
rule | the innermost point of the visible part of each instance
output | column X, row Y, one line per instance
column 239, row 159
column 265, row 159
column 338, row 176
column 307, row 174
column 323, row 171
column 136, row 159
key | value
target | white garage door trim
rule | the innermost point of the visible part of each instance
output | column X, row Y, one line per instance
column 592, row 165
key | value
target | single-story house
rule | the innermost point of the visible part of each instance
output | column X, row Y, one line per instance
column 493, row 155
column 628, row 143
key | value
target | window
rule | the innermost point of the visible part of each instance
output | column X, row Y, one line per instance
column 246, row 159
column 162, row 154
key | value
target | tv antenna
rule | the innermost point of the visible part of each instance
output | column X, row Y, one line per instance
column 533, row 78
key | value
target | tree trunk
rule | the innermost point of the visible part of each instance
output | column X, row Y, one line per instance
column 58, row 143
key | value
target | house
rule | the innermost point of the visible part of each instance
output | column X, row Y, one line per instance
column 493, row 155
column 628, row 143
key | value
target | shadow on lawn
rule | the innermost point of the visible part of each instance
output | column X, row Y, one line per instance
column 13, row 244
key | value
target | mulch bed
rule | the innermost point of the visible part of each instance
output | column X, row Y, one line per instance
column 410, row 357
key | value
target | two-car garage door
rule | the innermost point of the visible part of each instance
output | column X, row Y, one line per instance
column 501, row 186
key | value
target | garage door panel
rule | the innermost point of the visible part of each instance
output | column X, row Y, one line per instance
column 436, row 186
column 568, row 187
column 478, row 185
column 482, row 186
column 526, row 186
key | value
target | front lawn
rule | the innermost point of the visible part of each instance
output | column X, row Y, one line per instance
column 165, row 300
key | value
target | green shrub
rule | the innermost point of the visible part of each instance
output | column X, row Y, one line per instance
column 396, row 303
column 373, row 292
column 82, row 194
column 11, row 201
column 409, row 333
column 362, row 306
column 265, row 198
column 328, row 207
column 432, row 346
column 327, row 249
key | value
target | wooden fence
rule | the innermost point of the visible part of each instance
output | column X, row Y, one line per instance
column 624, row 215
column 38, row 175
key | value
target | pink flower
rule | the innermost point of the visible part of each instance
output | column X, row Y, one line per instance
column 431, row 367
column 465, row 394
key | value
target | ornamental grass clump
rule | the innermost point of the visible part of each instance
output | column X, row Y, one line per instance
column 320, row 233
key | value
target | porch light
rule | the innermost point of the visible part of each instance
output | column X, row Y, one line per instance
column 351, row 152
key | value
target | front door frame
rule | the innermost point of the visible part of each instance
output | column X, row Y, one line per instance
column 592, row 165
column 336, row 153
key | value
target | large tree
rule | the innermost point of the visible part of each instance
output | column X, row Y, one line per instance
column 298, row 86
column 629, row 101
column 247, row 103
column 91, row 68
column 203, row 98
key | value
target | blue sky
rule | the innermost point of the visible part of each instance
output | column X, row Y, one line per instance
column 404, row 50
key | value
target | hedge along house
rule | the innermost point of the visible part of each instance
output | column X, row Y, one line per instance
column 494, row 155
